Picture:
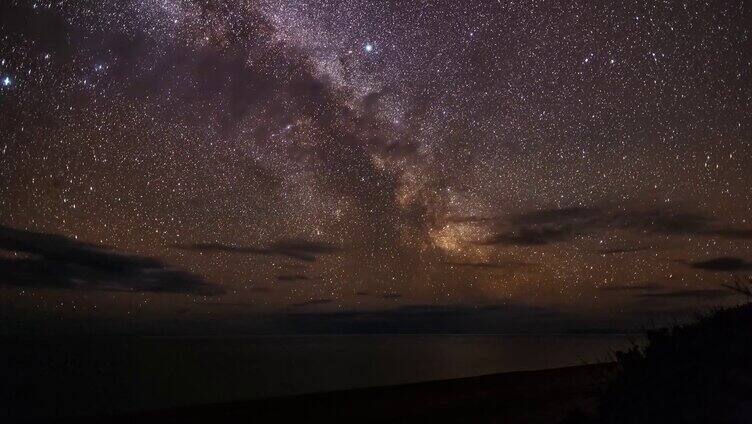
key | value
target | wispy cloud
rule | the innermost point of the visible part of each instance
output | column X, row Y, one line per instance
column 549, row 226
column 618, row 251
column 633, row 287
column 293, row 277
column 510, row 265
column 723, row 264
column 312, row 302
column 299, row 249
column 55, row 261
column 688, row 294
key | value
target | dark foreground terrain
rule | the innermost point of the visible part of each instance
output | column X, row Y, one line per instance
column 700, row 372
column 545, row 396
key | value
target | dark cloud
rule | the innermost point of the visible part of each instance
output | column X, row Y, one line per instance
column 548, row 226
column 391, row 296
column 502, row 265
column 293, row 277
column 54, row 261
column 528, row 236
column 687, row 294
column 312, row 303
column 262, row 289
column 723, row 264
column 226, row 304
column 471, row 219
column 556, row 216
column 217, row 247
column 296, row 267
column 660, row 221
column 734, row 233
column 633, row 287
column 303, row 250
column 617, row 251
column 669, row 221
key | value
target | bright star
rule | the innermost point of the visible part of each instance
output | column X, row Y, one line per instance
column 7, row 81
column 369, row 48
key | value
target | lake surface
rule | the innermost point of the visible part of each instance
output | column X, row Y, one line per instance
column 62, row 377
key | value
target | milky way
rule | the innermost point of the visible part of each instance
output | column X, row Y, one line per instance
column 362, row 155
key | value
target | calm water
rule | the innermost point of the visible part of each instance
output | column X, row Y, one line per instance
column 46, row 378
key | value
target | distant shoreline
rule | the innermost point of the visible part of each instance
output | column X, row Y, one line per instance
column 241, row 336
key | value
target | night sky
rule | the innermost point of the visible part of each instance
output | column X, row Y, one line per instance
column 406, row 165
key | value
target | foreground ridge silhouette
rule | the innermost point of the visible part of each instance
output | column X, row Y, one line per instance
column 694, row 373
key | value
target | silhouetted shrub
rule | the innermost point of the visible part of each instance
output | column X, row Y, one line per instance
column 694, row 373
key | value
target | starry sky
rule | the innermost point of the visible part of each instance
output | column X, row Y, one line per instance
column 406, row 165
